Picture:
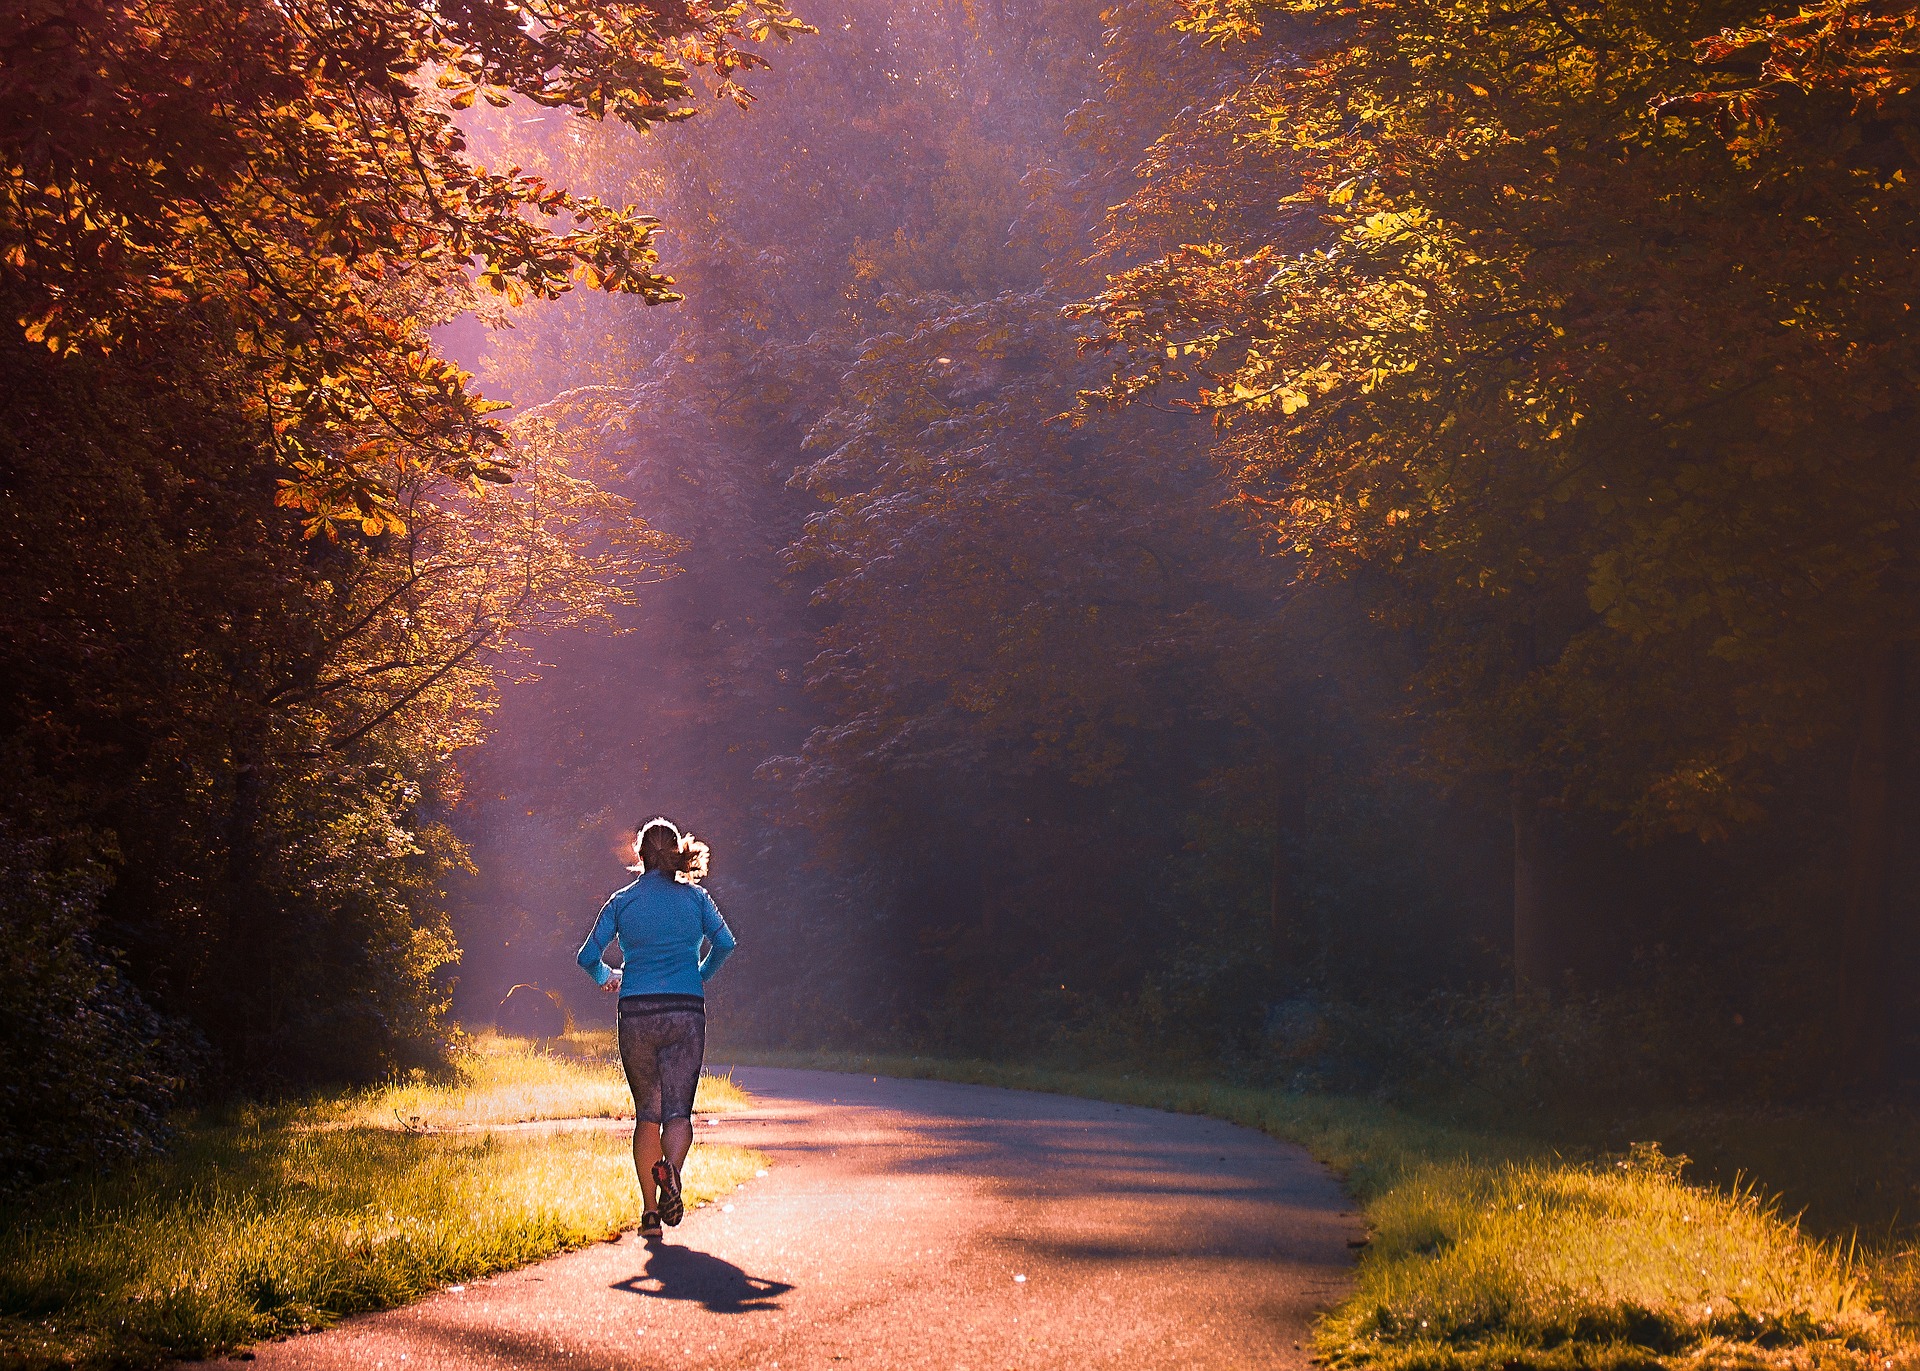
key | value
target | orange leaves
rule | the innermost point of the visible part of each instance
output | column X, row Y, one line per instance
column 1869, row 52
column 264, row 167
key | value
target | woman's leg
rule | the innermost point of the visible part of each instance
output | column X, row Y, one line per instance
column 682, row 1050
column 678, row 1134
column 646, row 1151
column 639, row 1055
column 682, row 1047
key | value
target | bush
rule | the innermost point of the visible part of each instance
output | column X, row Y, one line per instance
column 87, row 1069
column 1655, row 1043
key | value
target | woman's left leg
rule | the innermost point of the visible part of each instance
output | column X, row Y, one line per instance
column 640, row 1055
column 646, row 1151
column 676, row 1140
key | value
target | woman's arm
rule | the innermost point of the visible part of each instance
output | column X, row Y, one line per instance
column 603, row 975
column 716, row 930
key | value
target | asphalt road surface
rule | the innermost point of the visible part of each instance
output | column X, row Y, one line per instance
column 926, row 1227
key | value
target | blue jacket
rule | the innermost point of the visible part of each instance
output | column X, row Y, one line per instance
column 660, row 923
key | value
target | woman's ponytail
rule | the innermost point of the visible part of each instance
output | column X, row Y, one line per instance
column 662, row 847
column 693, row 858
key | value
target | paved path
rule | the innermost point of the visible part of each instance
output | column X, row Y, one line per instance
column 892, row 1232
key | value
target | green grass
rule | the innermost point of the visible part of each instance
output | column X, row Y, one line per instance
column 267, row 1222
column 1552, row 1264
column 1491, row 1250
column 501, row 1080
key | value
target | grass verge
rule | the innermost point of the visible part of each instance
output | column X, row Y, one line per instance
column 500, row 1080
column 267, row 1222
column 1492, row 1251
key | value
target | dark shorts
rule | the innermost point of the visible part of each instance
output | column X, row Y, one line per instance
column 663, row 1039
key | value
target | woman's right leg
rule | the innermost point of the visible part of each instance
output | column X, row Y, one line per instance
column 682, row 1047
column 682, row 1051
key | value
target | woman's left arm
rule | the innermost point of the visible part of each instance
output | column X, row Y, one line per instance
column 590, row 961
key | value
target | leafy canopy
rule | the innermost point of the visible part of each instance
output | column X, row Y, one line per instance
column 286, row 176
column 1581, row 332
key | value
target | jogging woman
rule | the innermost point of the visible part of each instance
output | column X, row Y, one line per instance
column 661, row 920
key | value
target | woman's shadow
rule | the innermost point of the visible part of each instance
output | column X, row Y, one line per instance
column 686, row 1273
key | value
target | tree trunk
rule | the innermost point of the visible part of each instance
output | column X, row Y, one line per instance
column 1866, row 934
column 1283, row 914
column 238, row 990
column 1532, row 941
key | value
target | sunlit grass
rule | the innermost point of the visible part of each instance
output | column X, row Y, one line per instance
column 1489, row 1251
column 502, row 1080
column 1552, row 1264
column 261, row 1223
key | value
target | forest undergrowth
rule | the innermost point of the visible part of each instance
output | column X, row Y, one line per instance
column 267, row 1221
column 1531, row 1239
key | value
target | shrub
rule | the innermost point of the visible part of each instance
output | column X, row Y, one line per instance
column 87, row 1069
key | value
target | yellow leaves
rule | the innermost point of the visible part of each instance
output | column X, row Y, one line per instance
column 384, row 520
column 1288, row 399
column 1219, row 22
column 1389, row 226
column 501, row 283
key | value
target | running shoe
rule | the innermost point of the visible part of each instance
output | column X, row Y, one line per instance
column 672, row 1208
column 650, row 1224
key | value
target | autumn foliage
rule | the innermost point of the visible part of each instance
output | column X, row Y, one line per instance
column 265, row 550
column 1223, row 523
column 1432, row 474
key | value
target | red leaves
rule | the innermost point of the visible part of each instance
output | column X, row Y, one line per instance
column 1865, row 50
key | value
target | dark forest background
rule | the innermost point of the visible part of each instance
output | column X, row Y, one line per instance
column 1351, row 545
column 1026, row 734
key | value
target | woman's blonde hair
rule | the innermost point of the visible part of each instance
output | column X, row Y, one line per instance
column 660, row 846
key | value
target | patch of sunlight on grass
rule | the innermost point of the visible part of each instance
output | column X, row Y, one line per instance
column 1558, row 1264
column 1490, row 1251
column 503, row 1080
column 258, row 1228
column 720, row 1095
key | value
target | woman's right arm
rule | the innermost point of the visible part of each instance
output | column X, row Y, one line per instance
column 717, row 934
column 602, row 934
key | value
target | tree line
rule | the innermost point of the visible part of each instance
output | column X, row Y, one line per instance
column 1237, row 527
column 1286, row 515
column 265, row 551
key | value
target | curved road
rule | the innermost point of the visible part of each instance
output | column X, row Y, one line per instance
column 893, row 1232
